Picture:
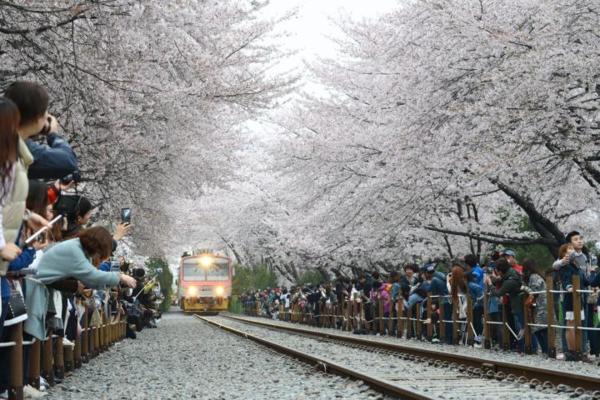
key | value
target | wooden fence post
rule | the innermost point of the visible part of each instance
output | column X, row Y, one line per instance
column 409, row 323
column 59, row 359
column 455, row 306
column 551, row 319
column 577, row 318
column 419, row 323
column 400, row 314
column 527, row 328
column 381, row 319
column 505, row 331
column 429, row 315
column 443, row 317
column 15, row 359
column 47, row 360
column 487, row 340
column 470, row 335
column 85, row 355
column 33, row 372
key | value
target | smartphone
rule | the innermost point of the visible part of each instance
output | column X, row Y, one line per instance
column 126, row 215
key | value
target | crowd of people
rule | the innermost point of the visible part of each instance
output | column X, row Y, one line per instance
column 443, row 293
column 51, row 262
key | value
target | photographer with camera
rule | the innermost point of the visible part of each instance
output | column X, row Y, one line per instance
column 55, row 161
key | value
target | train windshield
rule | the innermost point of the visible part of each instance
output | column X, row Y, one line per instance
column 194, row 271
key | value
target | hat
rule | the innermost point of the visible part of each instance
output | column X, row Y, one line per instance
column 429, row 268
column 509, row 253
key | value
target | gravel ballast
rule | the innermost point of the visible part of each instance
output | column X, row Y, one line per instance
column 433, row 381
column 580, row 367
column 187, row 359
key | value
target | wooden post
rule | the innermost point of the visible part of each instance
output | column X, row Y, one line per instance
column 68, row 356
column 381, row 319
column 443, row 316
column 35, row 355
column 15, row 360
column 85, row 354
column 577, row 318
column 551, row 319
column 47, row 360
column 97, row 349
column 527, row 328
column 487, row 339
column 361, row 313
column 419, row 322
column 429, row 315
column 409, row 323
column 92, row 343
column 59, row 359
column 455, row 305
column 356, row 314
column 505, row 331
column 470, row 335
column 346, row 324
column 400, row 316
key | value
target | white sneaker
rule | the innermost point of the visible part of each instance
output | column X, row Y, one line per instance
column 30, row 392
column 4, row 395
column 477, row 345
column 44, row 383
column 68, row 343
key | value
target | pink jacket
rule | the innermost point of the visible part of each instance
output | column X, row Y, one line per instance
column 384, row 295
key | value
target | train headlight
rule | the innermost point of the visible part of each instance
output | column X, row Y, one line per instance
column 192, row 291
column 219, row 290
column 206, row 261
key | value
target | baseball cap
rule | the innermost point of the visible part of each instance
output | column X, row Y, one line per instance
column 429, row 268
column 509, row 253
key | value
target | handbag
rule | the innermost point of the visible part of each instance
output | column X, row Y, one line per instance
column 17, row 310
column 530, row 301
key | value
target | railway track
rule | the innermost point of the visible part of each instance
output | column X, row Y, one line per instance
column 499, row 370
column 390, row 372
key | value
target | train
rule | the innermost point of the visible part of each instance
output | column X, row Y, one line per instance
column 204, row 285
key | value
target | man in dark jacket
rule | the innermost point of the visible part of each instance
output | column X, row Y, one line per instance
column 510, row 285
column 58, row 159
column 55, row 161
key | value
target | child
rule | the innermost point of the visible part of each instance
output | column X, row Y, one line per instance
column 476, row 294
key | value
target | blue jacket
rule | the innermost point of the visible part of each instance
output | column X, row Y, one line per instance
column 437, row 286
column 478, row 272
column 395, row 290
column 23, row 261
column 54, row 162
column 475, row 293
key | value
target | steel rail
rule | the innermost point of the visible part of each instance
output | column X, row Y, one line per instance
column 508, row 368
column 326, row 365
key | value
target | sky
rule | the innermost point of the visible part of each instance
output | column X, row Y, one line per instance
column 311, row 25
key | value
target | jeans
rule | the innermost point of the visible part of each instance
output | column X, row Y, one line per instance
column 4, row 367
column 412, row 300
column 519, row 324
column 593, row 336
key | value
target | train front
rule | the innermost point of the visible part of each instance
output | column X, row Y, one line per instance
column 204, row 283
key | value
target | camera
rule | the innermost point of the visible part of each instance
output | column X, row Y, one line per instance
column 74, row 177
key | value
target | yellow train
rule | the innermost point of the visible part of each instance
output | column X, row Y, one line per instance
column 204, row 283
